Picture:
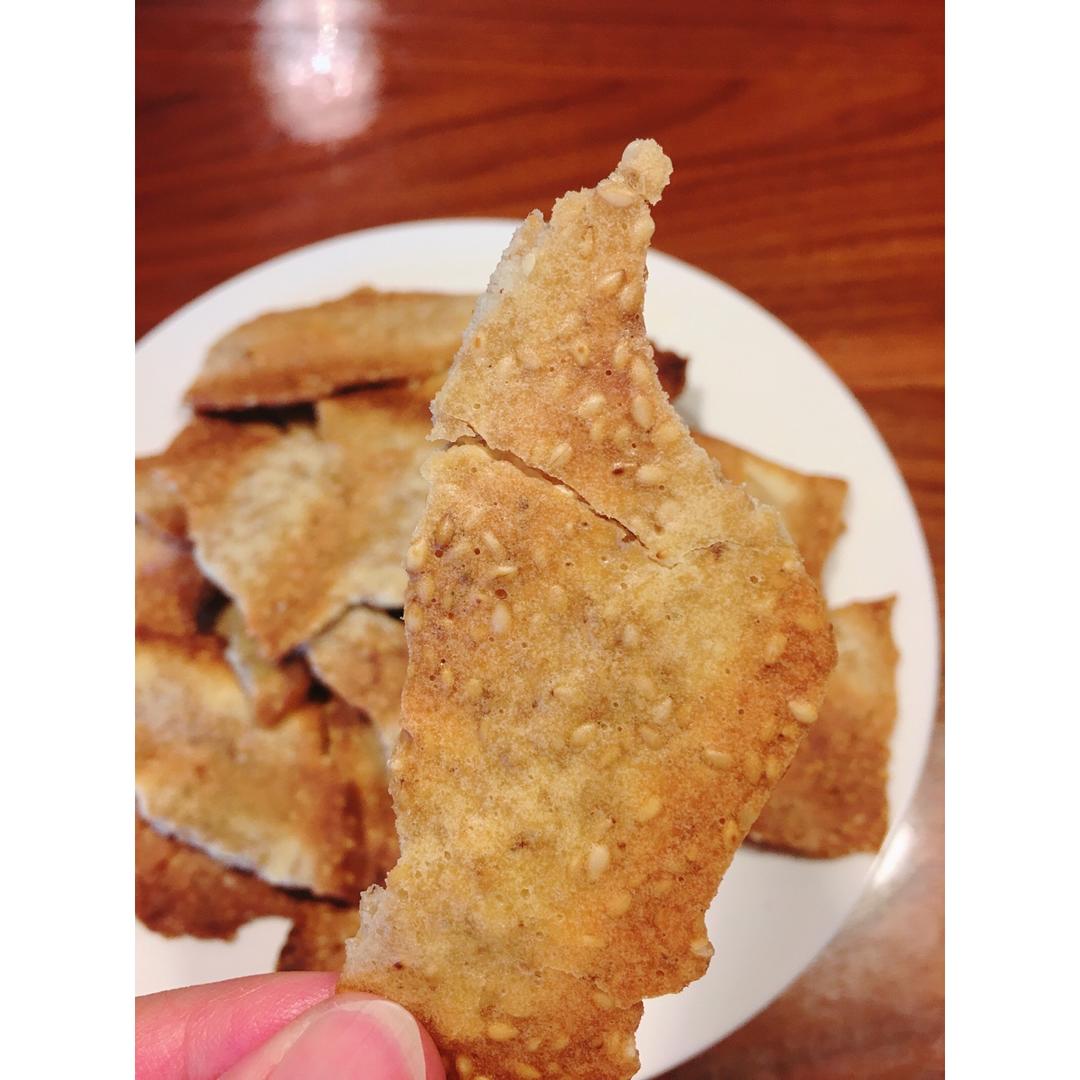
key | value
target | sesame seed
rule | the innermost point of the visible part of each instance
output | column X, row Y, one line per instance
column 561, row 454
column 479, row 341
column 464, row 1066
column 414, row 618
column 622, row 435
column 560, row 1041
column 643, row 228
column 768, row 727
column 701, row 947
column 611, row 283
column 651, row 737
column 500, row 619
column 774, row 769
column 596, row 430
column 803, row 711
column 589, row 941
column 503, row 570
column 631, row 296
column 790, row 566
column 615, row 194
column 719, row 759
column 662, row 710
column 644, row 686
column 591, row 406
column 602, row 1000
column 630, row 636
column 528, row 262
column 531, row 360
column 618, row 903
column 641, row 411
column 791, row 731
column 630, row 1048
column 506, row 365
column 731, row 834
column 598, row 862
column 752, row 766
column 570, row 324
column 501, row 1032
column 444, row 531
column 425, row 588
column 649, row 475
column 580, row 352
column 747, row 816
column 533, row 1044
column 640, row 372
column 526, row 1072
column 649, row 808
column 582, row 734
column 775, row 647
column 493, row 544
column 621, row 356
column 588, row 242
column 667, row 512
column 667, row 433
column 416, row 556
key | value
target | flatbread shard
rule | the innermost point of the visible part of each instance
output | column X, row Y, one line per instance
column 812, row 507
column 273, row 689
column 382, row 438
column 303, row 804
column 555, row 367
column 362, row 658
column 594, row 713
column 834, row 800
column 180, row 890
column 170, row 590
column 267, row 514
column 157, row 504
column 304, row 354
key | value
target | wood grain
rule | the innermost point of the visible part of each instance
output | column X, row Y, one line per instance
column 808, row 138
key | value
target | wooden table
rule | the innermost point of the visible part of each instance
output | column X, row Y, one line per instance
column 808, row 141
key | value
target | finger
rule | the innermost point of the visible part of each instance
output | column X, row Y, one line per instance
column 350, row 1036
column 200, row 1032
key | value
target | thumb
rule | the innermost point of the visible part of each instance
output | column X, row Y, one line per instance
column 348, row 1036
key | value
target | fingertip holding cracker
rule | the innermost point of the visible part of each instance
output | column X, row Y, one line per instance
column 613, row 656
column 833, row 800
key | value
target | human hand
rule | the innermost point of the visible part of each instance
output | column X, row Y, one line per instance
column 290, row 1026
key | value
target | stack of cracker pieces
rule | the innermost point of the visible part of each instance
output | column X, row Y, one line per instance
column 615, row 658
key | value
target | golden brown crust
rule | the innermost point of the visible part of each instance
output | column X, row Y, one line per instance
column 362, row 658
column 303, row 804
column 316, row 941
column 812, row 507
column 180, row 890
column 170, row 590
column 834, row 799
column 382, row 438
column 304, row 354
column 267, row 513
column 595, row 710
column 272, row 689
column 157, row 504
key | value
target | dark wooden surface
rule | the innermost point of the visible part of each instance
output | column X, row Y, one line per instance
column 808, row 141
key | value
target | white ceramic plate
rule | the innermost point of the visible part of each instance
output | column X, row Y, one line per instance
column 751, row 380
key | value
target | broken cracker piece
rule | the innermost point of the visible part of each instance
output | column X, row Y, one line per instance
column 362, row 658
column 157, row 504
column 267, row 515
column 593, row 713
column 180, row 890
column 303, row 804
column 285, row 357
column 273, row 689
column 317, row 939
column 382, row 436
column 812, row 507
column 170, row 590
column 833, row 800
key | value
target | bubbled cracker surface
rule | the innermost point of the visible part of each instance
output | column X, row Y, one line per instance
column 593, row 717
column 304, row 354
column 272, row 689
column 303, row 804
column 382, row 438
column 834, row 799
column 267, row 513
column 812, row 507
column 362, row 658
